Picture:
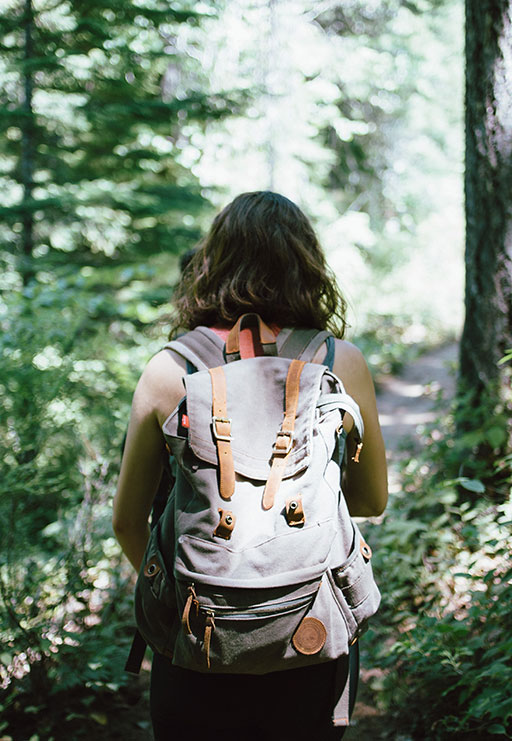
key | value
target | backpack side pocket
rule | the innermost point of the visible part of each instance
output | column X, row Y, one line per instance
column 354, row 587
column 155, row 601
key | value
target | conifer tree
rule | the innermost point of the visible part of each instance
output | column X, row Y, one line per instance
column 95, row 101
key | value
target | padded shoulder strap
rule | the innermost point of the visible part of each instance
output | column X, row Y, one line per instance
column 205, row 349
column 202, row 347
column 302, row 343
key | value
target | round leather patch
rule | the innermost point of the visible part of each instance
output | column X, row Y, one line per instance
column 309, row 638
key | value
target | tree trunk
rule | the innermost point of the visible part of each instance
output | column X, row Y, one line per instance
column 483, row 423
column 487, row 330
column 27, row 149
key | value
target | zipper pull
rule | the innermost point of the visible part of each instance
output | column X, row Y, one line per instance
column 356, row 455
column 191, row 600
column 209, row 628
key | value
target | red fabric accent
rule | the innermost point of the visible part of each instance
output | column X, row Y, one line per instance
column 249, row 341
column 185, row 421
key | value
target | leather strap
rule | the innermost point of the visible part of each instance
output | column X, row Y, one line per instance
column 208, row 630
column 185, row 618
column 284, row 440
column 221, row 427
column 266, row 336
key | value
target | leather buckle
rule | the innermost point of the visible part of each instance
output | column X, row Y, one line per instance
column 217, row 435
column 280, row 451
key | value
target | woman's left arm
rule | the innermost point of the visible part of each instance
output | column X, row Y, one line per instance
column 365, row 483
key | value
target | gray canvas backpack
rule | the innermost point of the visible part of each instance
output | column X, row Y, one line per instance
column 255, row 565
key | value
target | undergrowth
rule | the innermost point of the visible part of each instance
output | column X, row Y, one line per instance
column 443, row 638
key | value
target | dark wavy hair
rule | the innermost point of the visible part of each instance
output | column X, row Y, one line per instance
column 262, row 255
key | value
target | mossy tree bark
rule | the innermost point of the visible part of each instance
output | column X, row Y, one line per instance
column 487, row 332
column 488, row 183
column 27, row 147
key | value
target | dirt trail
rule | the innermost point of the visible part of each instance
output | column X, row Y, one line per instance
column 406, row 401
column 411, row 398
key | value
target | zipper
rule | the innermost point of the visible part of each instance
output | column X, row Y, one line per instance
column 222, row 612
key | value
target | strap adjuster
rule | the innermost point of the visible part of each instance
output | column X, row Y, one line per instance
column 217, row 435
column 280, row 451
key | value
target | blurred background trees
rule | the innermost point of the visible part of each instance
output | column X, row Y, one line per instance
column 125, row 126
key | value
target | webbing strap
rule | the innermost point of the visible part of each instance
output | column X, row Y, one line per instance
column 345, row 402
column 221, row 427
column 346, row 682
column 202, row 347
column 136, row 655
column 331, row 352
column 302, row 343
column 284, row 439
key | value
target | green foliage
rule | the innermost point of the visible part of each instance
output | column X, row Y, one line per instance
column 484, row 434
column 104, row 175
column 443, row 556
column 64, row 392
column 98, row 106
column 389, row 341
column 115, row 139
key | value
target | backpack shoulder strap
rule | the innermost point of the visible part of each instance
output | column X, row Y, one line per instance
column 301, row 343
column 202, row 347
column 205, row 349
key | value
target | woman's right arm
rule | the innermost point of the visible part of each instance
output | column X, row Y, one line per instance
column 158, row 391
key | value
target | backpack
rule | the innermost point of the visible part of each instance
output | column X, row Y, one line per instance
column 255, row 564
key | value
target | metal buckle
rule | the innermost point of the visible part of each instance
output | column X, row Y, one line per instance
column 278, row 451
column 226, row 438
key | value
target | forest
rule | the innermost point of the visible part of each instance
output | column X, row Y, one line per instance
column 126, row 125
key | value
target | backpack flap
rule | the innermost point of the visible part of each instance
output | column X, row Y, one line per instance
column 255, row 399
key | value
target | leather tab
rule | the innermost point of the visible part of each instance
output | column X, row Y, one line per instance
column 266, row 336
column 294, row 511
column 366, row 551
column 226, row 524
column 185, row 618
column 356, row 455
column 310, row 636
column 209, row 628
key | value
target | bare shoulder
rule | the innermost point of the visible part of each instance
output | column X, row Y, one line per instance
column 160, row 386
column 349, row 355
column 351, row 367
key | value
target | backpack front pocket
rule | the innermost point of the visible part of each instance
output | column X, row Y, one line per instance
column 239, row 631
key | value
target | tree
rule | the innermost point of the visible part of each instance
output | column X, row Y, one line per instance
column 96, row 104
column 487, row 333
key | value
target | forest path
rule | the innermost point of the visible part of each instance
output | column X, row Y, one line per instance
column 414, row 397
